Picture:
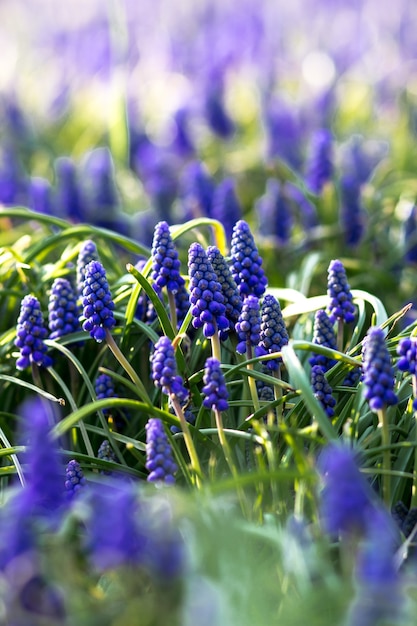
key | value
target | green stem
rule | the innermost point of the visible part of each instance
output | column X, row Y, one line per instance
column 278, row 394
column 215, row 346
column 172, row 310
column 127, row 366
column 386, row 459
column 195, row 463
column 251, row 380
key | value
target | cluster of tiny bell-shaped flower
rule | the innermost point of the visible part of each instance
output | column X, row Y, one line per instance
column 97, row 302
column 246, row 263
column 159, row 457
column 273, row 332
column 341, row 305
column 30, row 335
column 378, row 373
column 164, row 370
column 232, row 298
column 407, row 351
column 64, row 312
column 165, row 261
column 248, row 327
column 214, row 390
column 74, row 478
column 323, row 335
column 206, row 296
column 322, row 390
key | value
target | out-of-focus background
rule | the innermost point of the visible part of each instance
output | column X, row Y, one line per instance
column 299, row 116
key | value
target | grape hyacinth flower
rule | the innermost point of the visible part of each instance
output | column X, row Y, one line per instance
column 182, row 303
column 341, row 306
column 63, row 309
column 378, row 373
column 352, row 214
column 319, row 169
column 323, row 335
column 197, row 190
column 88, row 252
column 410, row 235
column 105, row 453
column 407, row 351
column 214, row 390
column 226, row 206
column 206, row 296
column 97, row 302
column 159, row 457
column 379, row 597
column 165, row 261
column 69, row 201
column 104, row 387
column 322, row 389
column 74, row 478
column 273, row 332
column 345, row 501
column 30, row 335
column 233, row 300
column 164, row 370
column 274, row 212
column 246, row 263
column 284, row 133
column 248, row 327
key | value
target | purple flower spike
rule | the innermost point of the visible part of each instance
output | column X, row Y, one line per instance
column 74, row 478
column 197, row 189
column 407, row 351
column 30, row 335
column 233, row 300
column 164, row 370
column 345, row 502
column 246, row 265
column 273, row 335
column 322, row 389
column 323, row 335
column 97, row 302
column 88, row 253
column 274, row 212
column 105, row 453
column 248, row 327
column 352, row 213
column 226, row 206
column 341, row 306
column 207, row 300
column 378, row 373
column 104, row 388
column 63, row 309
column 165, row 261
column 320, row 163
column 159, row 457
column 214, row 389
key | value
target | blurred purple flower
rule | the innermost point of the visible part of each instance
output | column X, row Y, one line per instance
column 284, row 133
column 196, row 191
column 226, row 207
column 410, row 236
column 68, row 196
column 319, row 167
column 40, row 196
column 274, row 212
column 352, row 214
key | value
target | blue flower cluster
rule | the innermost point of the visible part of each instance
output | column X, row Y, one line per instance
column 232, row 299
column 322, row 389
column 105, row 453
column 407, row 351
column 248, row 327
column 246, row 263
column 341, row 306
column 206, row 296
column 273, row 332
column 88, row 252
column 214, row 390
column 159, row 457
column 74, row 478
column 63, row 309
column 345, row 502
column 323, row 335
column 30, row 335
column 97, row 302
column 319, row 169
column 378, row 373
column 165, row 261
column 164, row 370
